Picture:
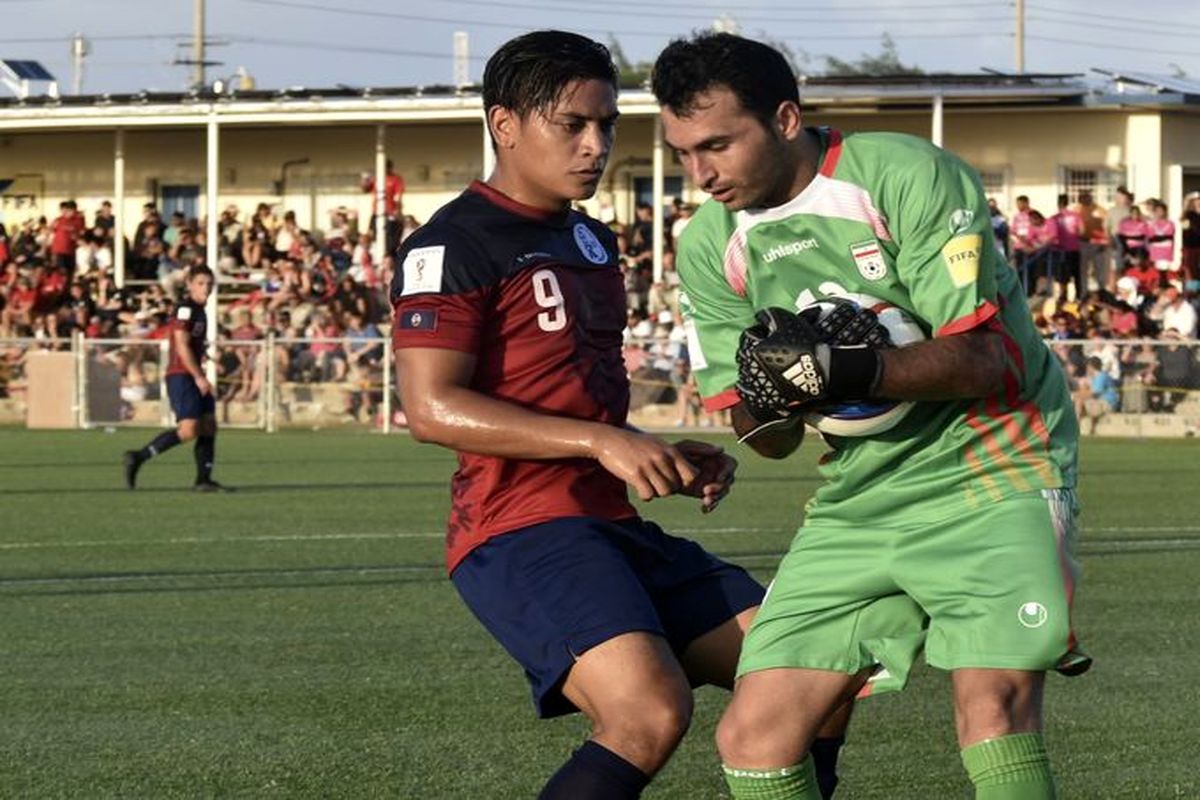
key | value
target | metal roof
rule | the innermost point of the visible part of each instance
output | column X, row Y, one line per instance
column 415, row 104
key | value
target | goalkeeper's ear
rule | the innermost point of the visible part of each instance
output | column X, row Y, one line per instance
column 776, row 438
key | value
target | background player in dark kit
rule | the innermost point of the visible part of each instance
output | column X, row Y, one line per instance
column 190, row 392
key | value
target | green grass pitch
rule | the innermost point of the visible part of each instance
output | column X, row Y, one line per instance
column 299, row 638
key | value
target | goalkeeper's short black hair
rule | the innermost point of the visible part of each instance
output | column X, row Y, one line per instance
column 529, row 73
column 756, row 73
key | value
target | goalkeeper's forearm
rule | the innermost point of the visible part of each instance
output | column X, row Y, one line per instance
column 963, row 366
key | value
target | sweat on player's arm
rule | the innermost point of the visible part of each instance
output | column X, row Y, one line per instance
column 443, row 409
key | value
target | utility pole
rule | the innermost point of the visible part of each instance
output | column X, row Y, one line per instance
column 1020, row 36
column 80, row 48
column 462, row 59
column 198, row 44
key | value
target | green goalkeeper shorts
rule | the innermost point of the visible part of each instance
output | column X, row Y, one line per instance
column 993, row 590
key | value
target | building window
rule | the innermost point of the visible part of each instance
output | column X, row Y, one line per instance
column 1100, row 181
column 995, row 185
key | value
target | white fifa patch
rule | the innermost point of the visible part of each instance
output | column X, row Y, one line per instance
column 868, row 257
column 184, row 313
column 423, row 269
column 695, row 353
column 1032, row 614
column 589, row 245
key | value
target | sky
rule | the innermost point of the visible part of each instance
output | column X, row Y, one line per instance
column 362, row 43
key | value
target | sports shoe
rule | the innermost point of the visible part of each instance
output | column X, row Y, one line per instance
column 132, row 462
column 211, row 486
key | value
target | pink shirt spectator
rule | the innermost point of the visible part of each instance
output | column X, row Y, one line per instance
column 1162, row 243
column 1021, row 229
column 1068, row 226
column 1135, row 232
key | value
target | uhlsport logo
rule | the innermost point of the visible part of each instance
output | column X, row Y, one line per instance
column 790, row 249
column 1032, row 615
column 589, row 245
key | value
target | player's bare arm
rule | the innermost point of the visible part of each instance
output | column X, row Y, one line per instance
column 183, row 347
column 949, row 368
column 443, row 409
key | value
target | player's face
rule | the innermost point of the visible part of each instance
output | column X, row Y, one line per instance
column 199, row 288
column 557, row 155
column 729, row 153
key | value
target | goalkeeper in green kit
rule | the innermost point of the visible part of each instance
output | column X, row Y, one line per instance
column 950, row 531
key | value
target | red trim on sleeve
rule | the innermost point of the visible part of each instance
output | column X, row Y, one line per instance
column 969, row 322
column 833, row 153
column 719, row 402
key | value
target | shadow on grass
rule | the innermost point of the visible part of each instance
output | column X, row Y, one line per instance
column 264, row 488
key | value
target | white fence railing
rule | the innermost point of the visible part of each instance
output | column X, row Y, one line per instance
column 274, row 382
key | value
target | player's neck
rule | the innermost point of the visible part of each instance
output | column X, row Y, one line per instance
column 514, row 188
column 808, row 156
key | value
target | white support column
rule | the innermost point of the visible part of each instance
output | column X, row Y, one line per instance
column 659, row 239
column 119, row 207
column 489, row 154
column 213, row 175
column 938, row 118
column 380, row 195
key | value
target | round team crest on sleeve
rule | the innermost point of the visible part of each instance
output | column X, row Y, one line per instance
column 589, row 245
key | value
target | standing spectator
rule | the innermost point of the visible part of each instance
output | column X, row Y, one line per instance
column 1116, row 215
column 999, row 227
column 1190, row 223
column 67, row 227
column 105, row 221
column 1133, row 233
column 393, row 203
column 151, row 225
column 171, row 234
column 1021, row 235
column 1161, row 240
column 1068, row 227
column 641, row 236
column 1094, row 256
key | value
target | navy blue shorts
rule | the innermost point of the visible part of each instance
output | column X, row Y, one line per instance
column 186, row 400
column 550, row 592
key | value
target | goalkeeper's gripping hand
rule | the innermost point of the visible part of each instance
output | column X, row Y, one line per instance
column 788, row 362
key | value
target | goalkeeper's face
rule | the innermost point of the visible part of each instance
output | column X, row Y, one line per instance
column 728, row 152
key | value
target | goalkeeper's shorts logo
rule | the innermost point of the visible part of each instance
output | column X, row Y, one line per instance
column 1032, row 615
column 804, row 375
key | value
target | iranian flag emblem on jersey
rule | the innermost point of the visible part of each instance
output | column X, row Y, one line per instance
column 869, row 260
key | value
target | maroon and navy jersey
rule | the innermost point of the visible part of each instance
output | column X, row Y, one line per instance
column 539, row 299
column 190, row 317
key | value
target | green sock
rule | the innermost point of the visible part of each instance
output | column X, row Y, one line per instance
column 1013, row 767
column 790, row 783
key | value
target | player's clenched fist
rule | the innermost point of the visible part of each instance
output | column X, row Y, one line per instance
column 651, row 466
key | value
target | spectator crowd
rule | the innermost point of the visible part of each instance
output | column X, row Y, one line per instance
column 1091, row 273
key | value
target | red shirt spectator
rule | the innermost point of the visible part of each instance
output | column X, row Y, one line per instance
column 393, row 192
column 68, row 227
column 51, row 287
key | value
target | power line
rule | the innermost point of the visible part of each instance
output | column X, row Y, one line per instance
column 324, row 45
column 733, row 9
column 1123, row 28
column 775, row 17
column 593, row 31
column 1108, row 46
column 1075, row 17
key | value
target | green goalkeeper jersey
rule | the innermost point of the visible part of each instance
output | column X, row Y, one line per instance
column 894, row 218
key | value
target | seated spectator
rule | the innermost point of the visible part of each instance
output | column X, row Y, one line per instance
column 1096, row 395
column 1175, row 374
column 1173, row 312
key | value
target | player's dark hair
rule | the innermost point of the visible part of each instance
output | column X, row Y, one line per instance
column 528, row 73
column 197, row 270
column 757, row 74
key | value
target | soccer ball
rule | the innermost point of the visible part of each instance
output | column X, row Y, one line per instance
column 869, row 417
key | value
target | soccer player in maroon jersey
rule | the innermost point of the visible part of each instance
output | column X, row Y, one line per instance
column 190, row 392
column 509, row 308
